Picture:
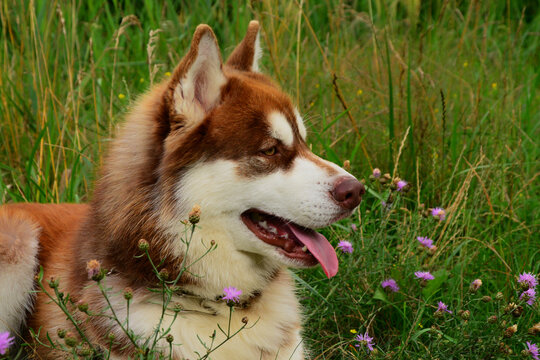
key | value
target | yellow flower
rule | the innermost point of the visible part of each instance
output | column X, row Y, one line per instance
column 465, row 64
column 121, row 96
column 311, row 104
column 316, row 86
column 420, row 325
column 359, row 92
column 436, row 110
column 353, row 331
column 167, row 73
column 141, row 80
column 494, row 86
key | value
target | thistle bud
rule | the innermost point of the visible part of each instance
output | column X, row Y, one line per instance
column 245, row 320
column 465, row 315
column 195, row 214
column 492, row 319
column 170, row 338
column 177, row 307
column 499, row 296
column 83, row 307
column 511, row 330
column 53, row 283
column 164, row 274
column 61, row 333
column 535, row 329
column 486, row 299
column 70, row 340
column 505, row 349
column 93, row 268
column 111, row 337
column 385, row 179
column 517, row 311
column 85, row 351
column 143, row 245
column 347, row 165
column 509, row 308
column 128, row 293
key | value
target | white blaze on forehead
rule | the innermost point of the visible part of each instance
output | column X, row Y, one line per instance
column 300, row 124
column 280, row 128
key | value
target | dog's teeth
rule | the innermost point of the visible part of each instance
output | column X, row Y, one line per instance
column 304, row 249
column 285, row 236
column 272, row 229
column 289, row 246
column 263, row 224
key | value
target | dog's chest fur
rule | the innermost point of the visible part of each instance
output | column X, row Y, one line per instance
column 272, row 330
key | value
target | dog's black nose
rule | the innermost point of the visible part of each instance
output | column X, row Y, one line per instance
column 348, row 192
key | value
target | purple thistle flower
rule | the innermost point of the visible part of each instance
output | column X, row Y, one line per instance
column 376, row 173
column 528, row 279
column 439, row 213
column 345, row 246
column 533, row 350
column 354, row 227
column 5, row 342
column 528, row 296
column 391, row 284
column 232, row 294
column 424, row 275
column 425, row 241
column 401, row 184
column 364, row 339
column 475, row 285
column 443, row 307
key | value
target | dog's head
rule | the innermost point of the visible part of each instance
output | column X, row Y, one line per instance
column 236, row 146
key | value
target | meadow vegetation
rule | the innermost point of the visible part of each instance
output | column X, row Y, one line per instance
column 441, row 94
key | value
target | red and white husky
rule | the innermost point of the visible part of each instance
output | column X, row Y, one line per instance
column 220, row 135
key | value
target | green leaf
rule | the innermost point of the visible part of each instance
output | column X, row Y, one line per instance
column 434, row 285
column 380, row 295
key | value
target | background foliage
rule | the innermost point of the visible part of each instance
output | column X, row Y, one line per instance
column 442, row 93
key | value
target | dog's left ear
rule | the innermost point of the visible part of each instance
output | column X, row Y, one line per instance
column 195, row 86
column 246, row 55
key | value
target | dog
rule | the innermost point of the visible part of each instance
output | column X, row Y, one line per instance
column 219, row 137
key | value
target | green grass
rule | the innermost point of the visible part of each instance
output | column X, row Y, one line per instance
column 459, row 78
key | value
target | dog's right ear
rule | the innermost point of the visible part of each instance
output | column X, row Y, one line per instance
column 195, row 86
column 246, row 55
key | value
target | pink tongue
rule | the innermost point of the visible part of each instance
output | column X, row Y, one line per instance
column 319, row 247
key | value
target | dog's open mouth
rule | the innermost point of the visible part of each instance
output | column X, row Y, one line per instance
column 292, row 240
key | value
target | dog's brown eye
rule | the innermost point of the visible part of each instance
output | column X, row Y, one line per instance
column 271, row 151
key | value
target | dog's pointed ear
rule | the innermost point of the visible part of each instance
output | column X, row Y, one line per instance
column 195, row 85
column 246, row 55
